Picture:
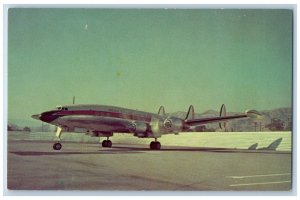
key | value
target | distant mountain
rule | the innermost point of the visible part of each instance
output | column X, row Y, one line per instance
column 210, row 112
column 284, row 114
column 33, row 124
column 24, row 122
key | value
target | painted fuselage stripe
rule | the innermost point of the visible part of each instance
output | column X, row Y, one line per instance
column 104, row 114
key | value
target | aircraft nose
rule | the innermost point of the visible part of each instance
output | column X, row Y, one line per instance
column 37, row 116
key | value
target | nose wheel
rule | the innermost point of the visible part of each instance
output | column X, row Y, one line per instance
column 57, row 146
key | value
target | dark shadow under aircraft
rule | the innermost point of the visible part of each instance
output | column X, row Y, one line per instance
column 273, row 146
column 103, row 121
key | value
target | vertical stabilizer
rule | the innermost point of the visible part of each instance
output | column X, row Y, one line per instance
column 161, row 111
column 191, row 113
column 222, row 114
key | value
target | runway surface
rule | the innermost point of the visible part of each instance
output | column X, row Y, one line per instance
column 33, row 165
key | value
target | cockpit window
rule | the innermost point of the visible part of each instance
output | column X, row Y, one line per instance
column 61, row 108
column 58, row 107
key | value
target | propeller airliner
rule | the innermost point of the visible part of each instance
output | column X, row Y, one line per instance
column 103, row 121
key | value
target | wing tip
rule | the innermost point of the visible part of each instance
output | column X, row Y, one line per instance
column 253, row 114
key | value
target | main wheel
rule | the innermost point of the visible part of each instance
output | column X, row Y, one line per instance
column 152, row 145
column 57, row 146
column 104, row 143
column 155, row 145
column 108, row 143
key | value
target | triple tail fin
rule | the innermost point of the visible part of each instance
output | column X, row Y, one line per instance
column 191, row 113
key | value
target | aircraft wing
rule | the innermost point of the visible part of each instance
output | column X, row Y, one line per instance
column 196, row 122
column 201, row 121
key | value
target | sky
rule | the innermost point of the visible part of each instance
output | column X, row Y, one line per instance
column 144, row 58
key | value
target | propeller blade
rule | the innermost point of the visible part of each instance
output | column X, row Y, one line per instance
column 156, row 125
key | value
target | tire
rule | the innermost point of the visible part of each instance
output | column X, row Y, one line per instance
column 157, row 145
column 104, row 143
column 152, row 144
column 57, row 146
column 108, row 143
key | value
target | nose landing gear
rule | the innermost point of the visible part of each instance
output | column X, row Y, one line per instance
column 57, row 145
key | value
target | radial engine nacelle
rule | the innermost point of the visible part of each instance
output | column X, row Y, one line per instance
column 173, row 124
column 138, row 127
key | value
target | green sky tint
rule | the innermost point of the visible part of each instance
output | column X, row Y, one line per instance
column 144, row 58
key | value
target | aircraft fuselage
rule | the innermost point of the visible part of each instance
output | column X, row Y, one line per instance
column 98, row 118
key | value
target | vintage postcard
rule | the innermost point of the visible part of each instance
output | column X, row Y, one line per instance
column 150, row 99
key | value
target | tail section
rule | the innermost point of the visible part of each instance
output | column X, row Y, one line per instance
column 190, row 114
column 222, row 114
column 161, row 111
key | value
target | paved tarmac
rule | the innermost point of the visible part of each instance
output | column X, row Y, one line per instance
column 33, row 165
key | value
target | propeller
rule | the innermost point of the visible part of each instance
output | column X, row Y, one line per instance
column 157, row 126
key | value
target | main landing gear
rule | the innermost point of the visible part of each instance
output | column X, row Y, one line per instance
column 57, row 145
column 155, row 145
column 107, row 143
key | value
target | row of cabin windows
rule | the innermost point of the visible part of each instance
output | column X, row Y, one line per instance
column 107, row 114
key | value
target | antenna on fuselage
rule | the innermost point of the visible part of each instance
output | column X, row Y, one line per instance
column 73, row 99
